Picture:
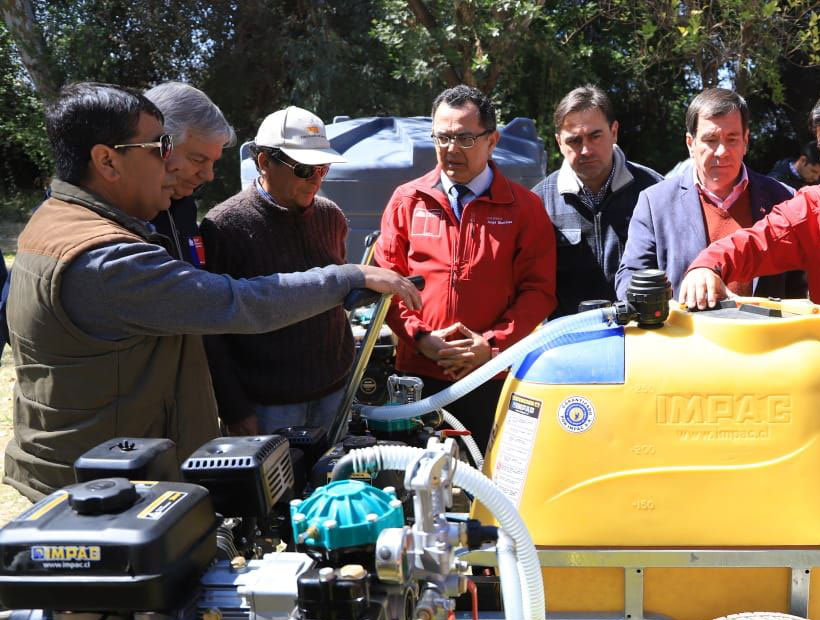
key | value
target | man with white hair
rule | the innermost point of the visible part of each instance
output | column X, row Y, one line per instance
column 295, row 375
column 200, row 132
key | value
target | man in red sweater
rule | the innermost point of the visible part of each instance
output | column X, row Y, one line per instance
column 486, row 249
column 785, row 239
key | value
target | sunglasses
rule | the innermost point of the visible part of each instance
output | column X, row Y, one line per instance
column 165, row 146
column 304, row 171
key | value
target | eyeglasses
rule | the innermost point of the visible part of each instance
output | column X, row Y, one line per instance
column 463, row 140
column 165, row 146
column 304, row 171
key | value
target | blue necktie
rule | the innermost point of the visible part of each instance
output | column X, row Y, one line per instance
column 457, row 193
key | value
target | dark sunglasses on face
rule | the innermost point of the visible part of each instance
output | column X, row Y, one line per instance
column 304, row 171
column 165, row 146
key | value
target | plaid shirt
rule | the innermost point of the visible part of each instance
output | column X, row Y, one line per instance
column 594, row 199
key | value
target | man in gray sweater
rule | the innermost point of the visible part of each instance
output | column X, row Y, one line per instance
column 105, row 325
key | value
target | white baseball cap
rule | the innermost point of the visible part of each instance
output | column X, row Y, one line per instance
column 300, row 135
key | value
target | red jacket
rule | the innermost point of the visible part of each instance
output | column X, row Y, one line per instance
column 786, row 239
column 494, row 271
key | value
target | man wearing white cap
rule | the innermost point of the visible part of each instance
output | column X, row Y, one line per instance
column 295, row 375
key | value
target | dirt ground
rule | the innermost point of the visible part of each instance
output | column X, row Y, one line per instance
column 11, row 502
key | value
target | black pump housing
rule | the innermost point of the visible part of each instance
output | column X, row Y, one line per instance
column 246, row 476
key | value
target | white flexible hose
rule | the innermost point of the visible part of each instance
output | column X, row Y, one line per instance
column 510, row 582
column 549, row 336
column 472, row 446
column 483, row 489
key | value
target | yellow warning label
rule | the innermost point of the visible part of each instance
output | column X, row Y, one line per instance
column 160, row 506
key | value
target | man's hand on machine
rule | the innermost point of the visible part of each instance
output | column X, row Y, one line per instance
column 386, row 281
column 702, row 287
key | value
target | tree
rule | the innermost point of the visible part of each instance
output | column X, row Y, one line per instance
column 18, row 16
column 463, row 41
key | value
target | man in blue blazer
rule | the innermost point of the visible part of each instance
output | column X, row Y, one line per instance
column 677, row 218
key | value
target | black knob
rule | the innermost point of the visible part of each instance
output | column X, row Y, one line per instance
column 103, row 496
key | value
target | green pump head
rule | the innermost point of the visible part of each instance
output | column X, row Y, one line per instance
column 344, row 514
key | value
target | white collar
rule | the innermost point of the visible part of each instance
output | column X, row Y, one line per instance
column 478, row 185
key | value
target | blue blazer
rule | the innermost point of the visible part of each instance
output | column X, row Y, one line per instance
column 667, row 232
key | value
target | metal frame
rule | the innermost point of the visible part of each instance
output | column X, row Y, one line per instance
column 634, row 561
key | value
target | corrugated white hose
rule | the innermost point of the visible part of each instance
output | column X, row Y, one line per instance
column 551, row 335
column 472, row 446
column 511, row 592
column 482, row 488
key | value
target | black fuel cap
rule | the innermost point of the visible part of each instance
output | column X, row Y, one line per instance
column 102, row 496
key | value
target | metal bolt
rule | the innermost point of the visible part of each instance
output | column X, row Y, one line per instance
column 372, row 517
column 326, row 574
column 330, row 524
column 395, row 503
column 295, row 502
column 299, row 517
column 389, row 490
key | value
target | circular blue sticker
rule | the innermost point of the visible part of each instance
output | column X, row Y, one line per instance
column 576, row 414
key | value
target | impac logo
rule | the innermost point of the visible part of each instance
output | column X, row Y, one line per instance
column 68, row 553
column 712, row 409
column 313, row 130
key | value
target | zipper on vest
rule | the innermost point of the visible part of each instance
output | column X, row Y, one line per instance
column 175, row 234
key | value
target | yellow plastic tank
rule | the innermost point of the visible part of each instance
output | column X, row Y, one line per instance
column 704, row 433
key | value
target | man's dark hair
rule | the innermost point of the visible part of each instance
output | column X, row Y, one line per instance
column 587, row 97
column 713, row 103
column 254, row 150
column 811, row 153
column 90, row 113
column 461, row 95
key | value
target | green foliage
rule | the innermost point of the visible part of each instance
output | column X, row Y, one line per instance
column 24, row 152
column 466, row 41
column 133, row 42
column 371, row 57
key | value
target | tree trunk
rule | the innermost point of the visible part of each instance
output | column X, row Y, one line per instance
column 19, row 19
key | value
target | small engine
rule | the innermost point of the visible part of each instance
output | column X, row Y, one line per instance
column 230, row 542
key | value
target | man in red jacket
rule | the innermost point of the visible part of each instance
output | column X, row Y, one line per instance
column 486, row 249
column 784, row 240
